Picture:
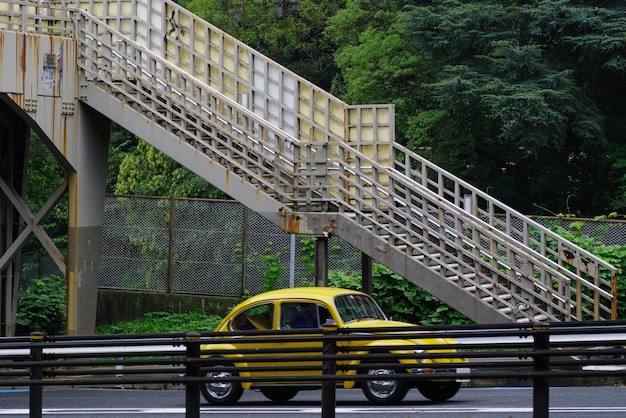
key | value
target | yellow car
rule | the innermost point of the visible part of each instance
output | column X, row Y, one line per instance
column 309, row 308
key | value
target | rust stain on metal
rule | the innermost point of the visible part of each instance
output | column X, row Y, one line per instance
column 64, row 139
column 330, row 229
column 570, row 256
column 586, row 266
column 292, row 221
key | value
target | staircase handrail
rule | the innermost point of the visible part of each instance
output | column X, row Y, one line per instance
column 463, row 193
column 387, row 197
column 312, row 114
column 192, row 93
column 35, row 18
column 346, row 150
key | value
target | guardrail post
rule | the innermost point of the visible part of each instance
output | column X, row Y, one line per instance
column 36, row 373
column 329, row 368
column 192, row 389
column 541, row 363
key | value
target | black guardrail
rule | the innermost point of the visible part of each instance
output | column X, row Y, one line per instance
column 534, row 354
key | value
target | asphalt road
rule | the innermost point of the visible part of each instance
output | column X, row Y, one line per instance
column 570, row 402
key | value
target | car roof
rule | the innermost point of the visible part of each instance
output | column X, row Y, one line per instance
column 318, row 293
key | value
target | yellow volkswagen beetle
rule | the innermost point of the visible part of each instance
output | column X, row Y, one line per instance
column 308, row 308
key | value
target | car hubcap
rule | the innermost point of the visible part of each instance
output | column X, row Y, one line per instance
column 382, row 388
column 216, row 389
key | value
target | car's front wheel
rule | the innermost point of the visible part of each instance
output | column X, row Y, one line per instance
column 439, row 391
column 221, row 391
column 279, row 395
column 383, row 389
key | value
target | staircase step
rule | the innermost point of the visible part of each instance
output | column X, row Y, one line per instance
column 485, row 286
column 501, row 297
column 536, row 318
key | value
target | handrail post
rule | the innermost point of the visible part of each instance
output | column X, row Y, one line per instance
column 541, row 363
column 192, row 389
column 329, row 368
column 36, row 374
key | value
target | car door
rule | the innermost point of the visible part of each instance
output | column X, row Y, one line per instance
column 305, row 316
column 259, row 317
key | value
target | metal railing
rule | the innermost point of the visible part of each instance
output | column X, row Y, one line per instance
column 212, row 123
column 498, row 215
column 184, row 39
column 421, row 224
column 290, row 102
column 34, row 17
column 533, row 354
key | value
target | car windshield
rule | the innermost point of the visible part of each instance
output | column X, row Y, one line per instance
column 356, row 307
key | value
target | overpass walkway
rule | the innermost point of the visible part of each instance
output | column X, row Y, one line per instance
column 280, row 145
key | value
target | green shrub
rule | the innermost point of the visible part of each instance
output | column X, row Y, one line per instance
column 400, row 298
column 162, row 322
column 42, row 307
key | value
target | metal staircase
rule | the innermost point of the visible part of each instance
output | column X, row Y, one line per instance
column 313, row 164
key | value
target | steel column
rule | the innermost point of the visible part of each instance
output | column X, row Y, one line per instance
column 321, row 261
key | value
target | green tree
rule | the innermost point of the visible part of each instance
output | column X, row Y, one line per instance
column 289, row 32
column 147, row 171
column 42, row 307
column 45, row 174
column 121, row 143
column 520, row 98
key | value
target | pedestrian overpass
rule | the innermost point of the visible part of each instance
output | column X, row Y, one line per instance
column 278, row 144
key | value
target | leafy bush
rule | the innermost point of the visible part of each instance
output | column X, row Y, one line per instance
column 161, row 322
column 400, row 298
column 42, row 307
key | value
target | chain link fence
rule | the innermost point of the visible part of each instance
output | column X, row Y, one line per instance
column 205, row 246
column 217, row 247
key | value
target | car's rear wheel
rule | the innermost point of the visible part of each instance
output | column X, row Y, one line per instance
column 439, row 391
column 384, row 389
column 279, row 394
column 221, row 392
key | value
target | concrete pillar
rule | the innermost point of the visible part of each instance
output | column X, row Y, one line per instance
column 87, row 188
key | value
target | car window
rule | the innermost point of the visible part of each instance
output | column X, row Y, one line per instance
column 356, row 307
column 257, row 317
column 302, row 315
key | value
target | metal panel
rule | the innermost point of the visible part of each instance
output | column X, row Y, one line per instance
column 42, row 81
column 11, row 48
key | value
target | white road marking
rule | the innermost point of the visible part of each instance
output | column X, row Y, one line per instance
column 369, row 410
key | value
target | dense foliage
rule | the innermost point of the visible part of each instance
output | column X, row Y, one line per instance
column 42, row 307
column 161, row 322
column 45, row 175
column 147, row 171
column 523, row 99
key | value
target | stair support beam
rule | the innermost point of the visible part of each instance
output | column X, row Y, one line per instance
column 321, row 261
